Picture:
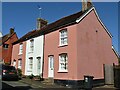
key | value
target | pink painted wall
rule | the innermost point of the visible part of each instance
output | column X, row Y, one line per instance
column 16, row 56
column 52, row 48
column 93, row 48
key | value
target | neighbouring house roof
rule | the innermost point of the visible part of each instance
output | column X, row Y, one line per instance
column 116, row 53
column 5, row 38
column 63, row 22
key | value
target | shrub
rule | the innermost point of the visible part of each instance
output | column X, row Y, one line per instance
column 31, row 76
column 19, row 73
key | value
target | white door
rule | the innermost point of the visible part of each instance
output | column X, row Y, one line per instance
column 51, row 66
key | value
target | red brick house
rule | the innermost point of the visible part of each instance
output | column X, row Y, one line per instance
column 6, row 46
column 77, row 45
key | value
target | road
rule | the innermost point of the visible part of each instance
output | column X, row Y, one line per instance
column 15, row 85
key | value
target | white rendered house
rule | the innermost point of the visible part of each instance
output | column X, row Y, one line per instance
column 34, row 51
column 34, row 56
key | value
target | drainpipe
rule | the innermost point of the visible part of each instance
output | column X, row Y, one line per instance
column 43, row 55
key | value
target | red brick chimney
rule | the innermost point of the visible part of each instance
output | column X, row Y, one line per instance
column 41, row 23
column 11, row 31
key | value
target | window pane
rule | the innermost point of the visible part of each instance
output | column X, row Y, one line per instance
column 31, row 45
column 63, row 37
column 30, row 63
column 63, row 62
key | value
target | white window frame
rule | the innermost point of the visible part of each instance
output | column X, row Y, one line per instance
column 31, row 45
column 30, row 63
column 38, row 64
column 20, row 63
column 14, row 63
column 5, row 46
column 63, row 37
column 63, row 62
column 21, row 48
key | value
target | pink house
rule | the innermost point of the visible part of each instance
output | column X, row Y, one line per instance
column 18, row 58
column 77, row 45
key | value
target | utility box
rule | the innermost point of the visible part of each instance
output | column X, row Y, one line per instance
column 88, row 82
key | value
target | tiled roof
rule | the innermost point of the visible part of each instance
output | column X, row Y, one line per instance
column 5, row 38
column 63, row 22
column 26, row 36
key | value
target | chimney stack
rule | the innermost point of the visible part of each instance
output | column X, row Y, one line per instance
column 11, row 31
column 41, row 23
column 86, row 4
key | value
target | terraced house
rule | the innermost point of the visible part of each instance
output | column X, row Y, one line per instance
column 78, row 45
column 28, row 51
column 68, row 49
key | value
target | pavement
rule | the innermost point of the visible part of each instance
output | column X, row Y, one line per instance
column 40, row 84
column 36, row 84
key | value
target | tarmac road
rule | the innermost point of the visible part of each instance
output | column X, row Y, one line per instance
column 17, row 85
column 14, row 85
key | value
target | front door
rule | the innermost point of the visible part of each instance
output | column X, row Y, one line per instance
column 51, row 66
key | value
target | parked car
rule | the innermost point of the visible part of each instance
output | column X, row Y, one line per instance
column 9, row 73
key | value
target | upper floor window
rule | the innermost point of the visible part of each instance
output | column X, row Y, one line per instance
column 31, row 45
column 63, row 37
column 21, row 48
column 63, row 62
column 5, row 46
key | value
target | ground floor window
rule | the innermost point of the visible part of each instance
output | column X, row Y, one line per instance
column 38, row 64
column 30, row 63
column 63, row 62
column 20, row 63
column 14, row 63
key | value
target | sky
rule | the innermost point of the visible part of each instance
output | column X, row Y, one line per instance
column 23, row 15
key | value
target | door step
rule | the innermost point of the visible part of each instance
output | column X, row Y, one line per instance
column 48, row 81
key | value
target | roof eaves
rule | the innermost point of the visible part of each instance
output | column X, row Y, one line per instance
column 84, row 15
column 26, row 37
column 115, row 51
column 8, row 37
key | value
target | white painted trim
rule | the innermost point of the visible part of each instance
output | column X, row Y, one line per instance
column 79, row 19
column 115, row 51
column 62, row 71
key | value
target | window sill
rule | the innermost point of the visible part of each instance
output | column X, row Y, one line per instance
column 64, row 71
column 6, row 48
column 20, row 54
column 30, row 52
column 63, row 45
column 29, row 70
